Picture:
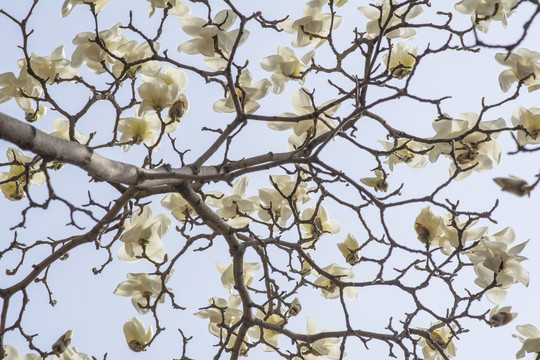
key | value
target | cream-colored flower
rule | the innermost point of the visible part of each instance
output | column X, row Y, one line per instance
column 314, row 27
column 379, row 15
column 12, row 353
column 316, row 224
column 329, row 289
column 327, row 347
column 234, row 206
column 22, row 174
column 530, row 120
column 141, row 288
column 139, row 129
column 495, row 260
column 61, row 130
column 523, row 66
column 270, row 337
column 455, row 233
column 133, row 51
column 305, row 130
column 274, row 208
column 286, row 66
column 99, row 5
column 409, row 153
column 531, row 340
column 247, row 94
column 176, row 8
column 70, row 354
column 142, row 235
column 428, row 226
column 442, row 336
column 499, row 317
column 137, row 337
column 401, row 60
column 350, row 250
column 227, row 275
column 50, row 68
column 378, row 182
column 178, row 206
column 483, row 11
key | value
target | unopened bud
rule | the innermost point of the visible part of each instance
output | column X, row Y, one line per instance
column 514, row 185
column 61, row 344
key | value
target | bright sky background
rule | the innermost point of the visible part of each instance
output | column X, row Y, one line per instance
column 86, row 302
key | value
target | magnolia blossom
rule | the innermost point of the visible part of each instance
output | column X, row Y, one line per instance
column 23, row 89
column 495, row 260
column 23, row 172
column 530, row 120
column 327, row 347
column 478, row 151
column 401, row 60
column 70, row 354
column 133, row 51
column 137, row 337
column 223, row 314
column 12, row 353
column 316, row 223
column 61, row 130
column 384, row 15
column 141, row 288
column 90, row 53
column 233, row 206
column 350, row 250
column 378, row 182
column 428, row 226
column 143, row 235
column 139, row 129
column 314, row 27
column 409, row 153
column 455, row 233
column 305, row 130
column 50, row 68
column 175, row 7
column 499, row 317
column 270, row 337
column 247, row 94
column 178, row 206
column 531, row 340
column 227, row 275
column 286, row 66
column 70, row 4
column 523, row 66
column 443, row 337
column 483, row 11
column 329, row 289
column 274, row 208
column 212, row 40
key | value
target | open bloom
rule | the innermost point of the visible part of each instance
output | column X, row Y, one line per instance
column 178, row 206
column 61, row 130
column 177, row 8
column 163, row 91
column 384, row 15
column 12, row 353
column 70, row 354
column 328, row 286
column 314, row 27
column 378, row 182
column 495, row 261
column 455, row 233
column 327, row 347
column 137, row 337
column 317, row 224
column 443, row 337
column 350, row 250
column 483, row 11
column 227, row 275
column 139, row 129
column 141, row 288
column 401, row 59
column 247, row 94
column 531, row 340
column 530, row 120
column 523, row 66
column 428, row 226
column 409, row 153
column 143, row 235
column 270, row 337
column 305, row 130
column 22, row 172
column 286, row 66
column 70, row 4
column 499, row 317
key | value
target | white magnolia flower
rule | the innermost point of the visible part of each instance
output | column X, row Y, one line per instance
column 499, row 317
column 177, row 8
column 286, row 66
column 523, row 66
column 530, row 120
column 139, row 129
column 327, row 347
column 317, row 224
column 213, row 41
column 61, row 130
column 247, row 94
column 270, row 337
column 452, row 238
column 495, row 260
column 428, row 226
column 329, row 289
column 90, row 53
column 50, row 68
column 22, row 178
column 23, row 88
column 274, row 208
column 483, row 11
column 531, row 340
column 178, row 206
column 314, row 27
column 305, row 130
column 137, row 337
column 70, row 4
column 409, row 153
column 13, row 354
column 232, row 207
column 378, row 182
column 401, row 60
column 70, row 354
column 141, row 288
column 443, row 337
column 379, row 15
column 158, row 95
column 227, row 275
column 143, row 234
column 350, row 250
column 133, row 51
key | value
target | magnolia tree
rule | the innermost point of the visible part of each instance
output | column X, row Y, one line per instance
column 308, row 153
